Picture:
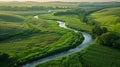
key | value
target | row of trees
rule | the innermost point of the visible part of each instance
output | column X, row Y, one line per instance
column 93, row 7
column 84, row 13
column 100, row 4
column 64, row 13
column 17, row 8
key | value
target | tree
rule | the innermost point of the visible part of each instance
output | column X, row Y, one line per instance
column 3, row 57
column 104, row 30
column 110, row 39
column 117, row 45
column 97, row 30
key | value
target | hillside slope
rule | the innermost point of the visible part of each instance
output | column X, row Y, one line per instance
column 109, row 18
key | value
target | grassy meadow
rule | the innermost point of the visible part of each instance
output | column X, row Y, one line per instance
column 95, row 55
column 72, row 21
column 92, row 56
column 24, row 38
column 109, row 18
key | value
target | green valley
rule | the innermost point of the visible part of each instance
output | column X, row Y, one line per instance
column 29, row 32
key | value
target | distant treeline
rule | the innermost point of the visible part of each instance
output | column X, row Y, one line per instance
column 65, row 13
column 99, row 4
column 33, row 8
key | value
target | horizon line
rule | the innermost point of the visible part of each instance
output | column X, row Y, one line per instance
column 59, row 1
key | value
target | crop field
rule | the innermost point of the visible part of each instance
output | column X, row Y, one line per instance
column 29, row 31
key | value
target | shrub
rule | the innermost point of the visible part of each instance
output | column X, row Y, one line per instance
column 97, row 30
column 64, row 13
column 3, row 57
column 110, row 39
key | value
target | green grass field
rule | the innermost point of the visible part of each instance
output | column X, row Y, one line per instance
column 109, row 18
column 72, row 21
column 94, row 55
column 24, row 38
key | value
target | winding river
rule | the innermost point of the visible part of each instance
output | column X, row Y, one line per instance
column 87, row 40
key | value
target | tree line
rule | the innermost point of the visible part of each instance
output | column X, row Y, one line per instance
column 33, row 8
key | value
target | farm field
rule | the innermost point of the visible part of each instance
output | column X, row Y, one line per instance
column 29, row 31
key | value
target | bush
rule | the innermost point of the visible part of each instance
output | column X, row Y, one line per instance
column 110, row 39
column 64, row 13
column 3, row 57
column 97, row 30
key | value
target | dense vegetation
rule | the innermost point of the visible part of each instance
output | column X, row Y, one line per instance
column 110, row 39
column 24, row 38
column 103, row 52
column 93, row 56
column 110, row 22
column 100, row 4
